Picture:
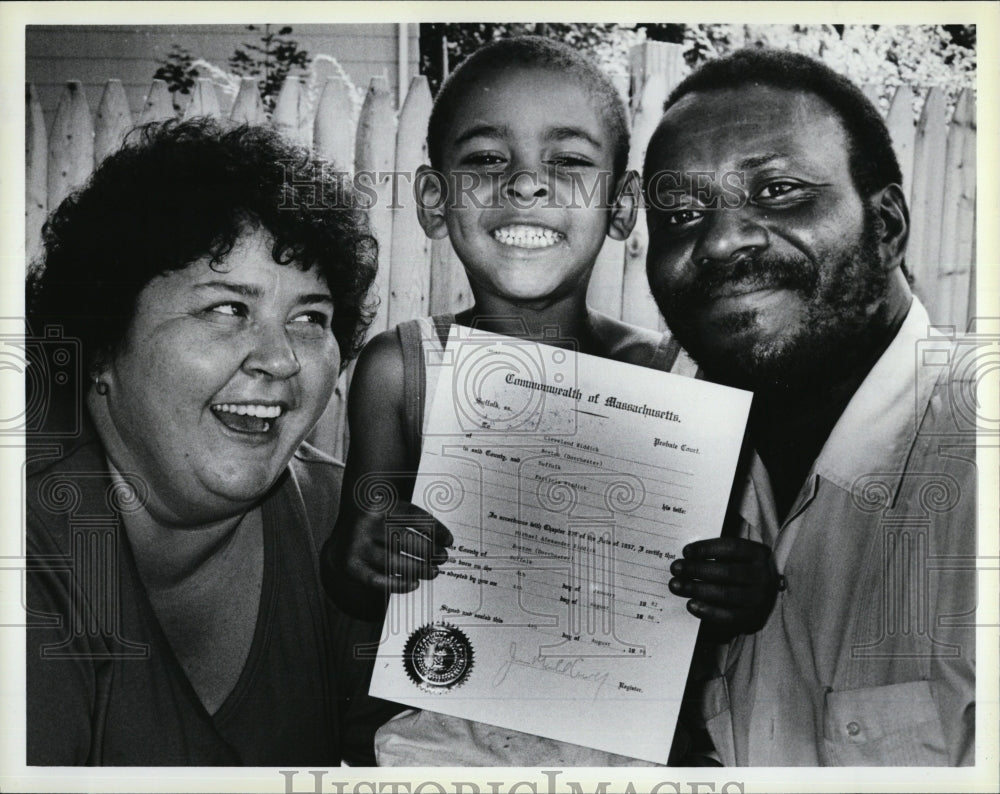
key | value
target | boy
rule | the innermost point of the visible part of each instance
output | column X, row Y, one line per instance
column 528, row 144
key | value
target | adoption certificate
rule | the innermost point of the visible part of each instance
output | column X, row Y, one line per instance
column 570, row 483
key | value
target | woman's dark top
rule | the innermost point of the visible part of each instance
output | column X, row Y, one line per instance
column 103, row 685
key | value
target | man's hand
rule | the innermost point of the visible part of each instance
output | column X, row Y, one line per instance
column 732, row 583
column 369, row 556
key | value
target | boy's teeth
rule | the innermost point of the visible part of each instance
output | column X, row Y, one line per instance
column 523, row 236
column 259, row 411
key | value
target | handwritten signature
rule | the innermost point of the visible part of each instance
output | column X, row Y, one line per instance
column 559, row 666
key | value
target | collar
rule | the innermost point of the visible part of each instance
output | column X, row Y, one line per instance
column 875, row 433
column 873, row 436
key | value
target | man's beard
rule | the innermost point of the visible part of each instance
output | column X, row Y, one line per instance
column 844, row 295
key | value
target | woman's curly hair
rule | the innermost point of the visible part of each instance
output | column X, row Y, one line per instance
column 180, row 191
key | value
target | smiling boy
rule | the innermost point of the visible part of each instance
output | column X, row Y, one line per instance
column 528, row 143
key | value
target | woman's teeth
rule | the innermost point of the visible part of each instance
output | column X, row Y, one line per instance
column 523, row 236
column 247, row 418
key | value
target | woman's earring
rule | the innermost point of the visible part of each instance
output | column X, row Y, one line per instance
column 100, row 385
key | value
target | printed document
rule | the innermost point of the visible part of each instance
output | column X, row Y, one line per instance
column 570, row 483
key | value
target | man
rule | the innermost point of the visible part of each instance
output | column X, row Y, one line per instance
column 778, row 230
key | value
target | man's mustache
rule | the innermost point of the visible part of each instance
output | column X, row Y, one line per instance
column 759, row 271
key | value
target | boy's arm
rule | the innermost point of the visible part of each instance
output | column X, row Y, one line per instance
column 380, row 543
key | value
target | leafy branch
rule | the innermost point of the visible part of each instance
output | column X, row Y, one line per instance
column 272, row 60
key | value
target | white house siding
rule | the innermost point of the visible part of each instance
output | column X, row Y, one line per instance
column 95, row 53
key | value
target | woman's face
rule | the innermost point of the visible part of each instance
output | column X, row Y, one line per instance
column 223, row 373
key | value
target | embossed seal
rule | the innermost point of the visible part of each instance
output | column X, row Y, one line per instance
column 438, row 657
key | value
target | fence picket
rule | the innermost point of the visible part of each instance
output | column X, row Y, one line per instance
column 450, row 290
column 289, row 116
column 605, row 290
column 332, row 139
column 36, row 174
column 971, row 304
column 71, row 144
column 204, row 100
column 374, row 154
column 330, row 432
column 342, row 442
column 158, row 105
column 656, row 68
column 333, row 130
column 247, row 107
column 923, row 253
column 873, row 93
column 113, row 121
column 903, row 133
column 951, row 297
column 409, row 277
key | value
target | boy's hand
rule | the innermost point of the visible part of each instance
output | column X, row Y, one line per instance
column 732, row 583
column 370, row 557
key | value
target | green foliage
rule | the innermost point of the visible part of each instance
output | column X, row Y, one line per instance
column 882, row 56
column 445, row 46
column 885, row 56
column 178, row 73
column 272, row 59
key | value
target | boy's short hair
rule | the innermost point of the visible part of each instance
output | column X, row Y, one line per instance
column 872, row 160
column 529, row 52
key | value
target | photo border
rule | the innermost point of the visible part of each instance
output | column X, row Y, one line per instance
column 14, row 776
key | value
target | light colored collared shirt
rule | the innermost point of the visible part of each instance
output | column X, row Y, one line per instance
column 869, row 655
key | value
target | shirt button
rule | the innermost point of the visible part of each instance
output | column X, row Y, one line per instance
column 853, row 728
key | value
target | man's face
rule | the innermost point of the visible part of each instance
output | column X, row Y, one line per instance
column 763, row 258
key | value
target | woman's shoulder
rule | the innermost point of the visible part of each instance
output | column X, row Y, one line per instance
column 311, row 489
column 63, row 479
column 74, row 447
column 632, row 344
column 316, row 459
column 316, row 472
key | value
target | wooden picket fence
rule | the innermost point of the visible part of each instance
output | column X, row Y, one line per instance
column 418, row 276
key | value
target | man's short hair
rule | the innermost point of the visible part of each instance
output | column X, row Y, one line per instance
column 529, row 52
column 872, row 160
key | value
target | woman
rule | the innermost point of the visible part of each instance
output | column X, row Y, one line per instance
column 214, row 283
